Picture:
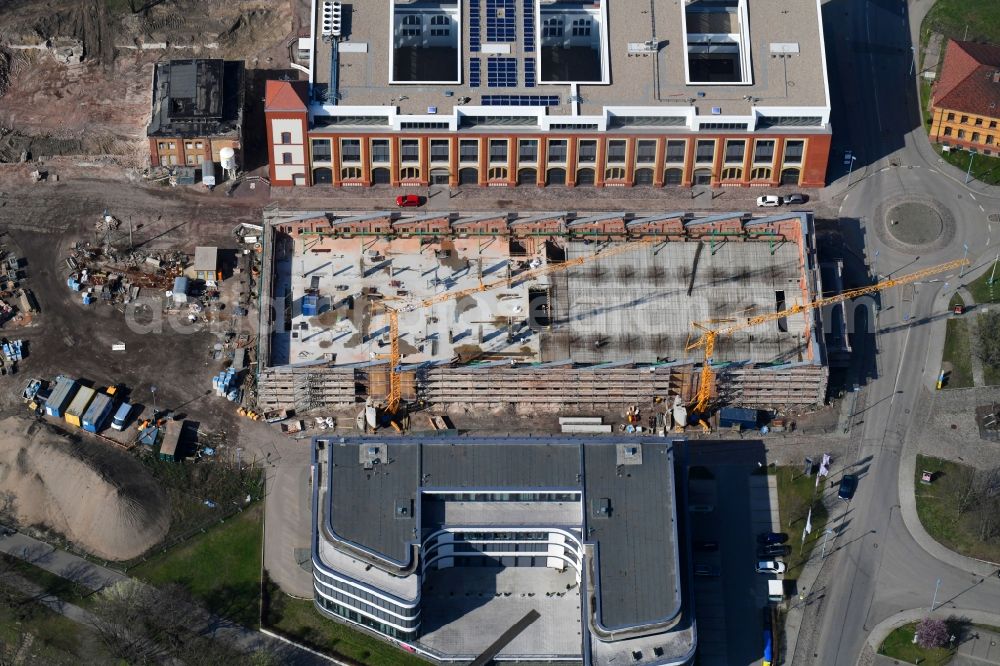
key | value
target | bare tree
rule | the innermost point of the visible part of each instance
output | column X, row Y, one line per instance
column 121, row 621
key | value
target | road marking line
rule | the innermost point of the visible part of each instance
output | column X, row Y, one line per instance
column 981, row 208
column 972, row 195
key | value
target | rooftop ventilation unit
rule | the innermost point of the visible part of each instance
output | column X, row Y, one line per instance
column 332, row 18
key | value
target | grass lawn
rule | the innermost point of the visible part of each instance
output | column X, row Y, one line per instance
column 981, row 289
column 56, row 640
column 795, row 495
column 953, row 17
column 300, row 621
column 956, row 352
column 984, row 169
column 221, row 567
column 937, row 506
column 899, row 645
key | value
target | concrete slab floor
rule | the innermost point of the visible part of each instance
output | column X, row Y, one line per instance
column 459, row 603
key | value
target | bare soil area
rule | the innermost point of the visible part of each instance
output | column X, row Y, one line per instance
column 67, row 337
column 76, row 75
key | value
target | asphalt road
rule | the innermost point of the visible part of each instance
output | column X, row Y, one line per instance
column 877, row 569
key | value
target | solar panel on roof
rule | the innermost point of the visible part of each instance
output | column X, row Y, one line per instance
column 475, row 73
column 501, row 72
column 474, row 26
column 529, row 72
column 501, row 25
column 528, row 14
column 520, row 100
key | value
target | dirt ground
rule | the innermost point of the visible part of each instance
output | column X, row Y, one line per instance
column 44, row 220
column 100, row 106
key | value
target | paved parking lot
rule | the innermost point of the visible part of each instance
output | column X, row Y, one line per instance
column 745, row 503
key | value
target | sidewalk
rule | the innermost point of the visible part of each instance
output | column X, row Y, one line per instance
column 59, row 562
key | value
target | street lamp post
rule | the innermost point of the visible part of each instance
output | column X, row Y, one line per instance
column 152, row 389
column 968, row 172
column 851, row 169
column 913, row 57
column 965, row 257
column 874, row 265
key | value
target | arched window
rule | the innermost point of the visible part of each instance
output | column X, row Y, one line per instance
column 732, row 173
column 350, row 173
column 614, row 173
column 761, row 173
column 497, row 173
column 409, row 173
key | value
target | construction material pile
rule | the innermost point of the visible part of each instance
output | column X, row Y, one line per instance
column 99, row 499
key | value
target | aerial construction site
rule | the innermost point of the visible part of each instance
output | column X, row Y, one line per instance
column 536, row 310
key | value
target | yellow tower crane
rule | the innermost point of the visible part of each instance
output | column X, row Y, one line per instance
column 706, row 341
column 395, row 379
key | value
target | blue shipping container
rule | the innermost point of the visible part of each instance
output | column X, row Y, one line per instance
column 310, row 306
column 97, row 414
column 60, row 397
column 744, row 418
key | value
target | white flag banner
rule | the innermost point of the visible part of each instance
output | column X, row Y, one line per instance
column 809, row 525
column 824, row 465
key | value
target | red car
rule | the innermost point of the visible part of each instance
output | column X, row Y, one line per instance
column 407, row 201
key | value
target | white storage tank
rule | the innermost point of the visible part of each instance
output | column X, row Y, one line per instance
column 227, row 156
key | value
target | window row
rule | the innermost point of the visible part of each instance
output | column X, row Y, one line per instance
column 354, row 616
column 329, row 584
column 557, row 151
column 559, row 176
column 412, row 623
column 975, row 122
column 973, row 137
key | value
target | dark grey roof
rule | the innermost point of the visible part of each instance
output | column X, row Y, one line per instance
column 636, row 543
column 366, row 500
column 631, row 478
column 494, row 464
column 197, row 98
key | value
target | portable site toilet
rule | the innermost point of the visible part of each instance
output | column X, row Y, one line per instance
column 96, row 416
column 76, row 409
column 62, row 393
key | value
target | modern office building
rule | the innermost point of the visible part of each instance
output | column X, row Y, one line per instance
column 534, row 549
column 555, row 92
column 965, row 101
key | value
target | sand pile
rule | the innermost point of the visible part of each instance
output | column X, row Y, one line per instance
column 101, row 499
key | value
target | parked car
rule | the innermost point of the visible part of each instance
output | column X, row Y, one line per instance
column 705, row 570
column 769, row 201
column 706, row 546
column 848, row 485
column 774, row 550
column 796, row 198
column 770, row 566
column 771, row 537
column 407, row 201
